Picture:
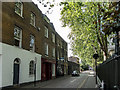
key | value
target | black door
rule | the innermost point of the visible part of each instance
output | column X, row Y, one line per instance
column 16, row 74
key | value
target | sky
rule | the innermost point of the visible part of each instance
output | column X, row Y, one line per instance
column 55, row 19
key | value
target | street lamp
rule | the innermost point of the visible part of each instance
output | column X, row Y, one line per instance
column 35, row 71
column 95, row 56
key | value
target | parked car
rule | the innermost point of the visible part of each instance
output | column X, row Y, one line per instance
column 92, row 73
column 75, row 73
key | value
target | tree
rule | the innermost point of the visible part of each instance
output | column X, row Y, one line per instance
column 87, row 21
column 84, row 19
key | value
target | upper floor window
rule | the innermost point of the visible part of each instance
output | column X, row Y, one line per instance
column 53, row 37
column 32, row 43
column 58, row 56
column 46, row 31
column 19, row 8
column 32, row 19
column 31, row 68
column 17, row 36
column 53, row 52
column 58, row 43
column 46, row 49
column 61, row 44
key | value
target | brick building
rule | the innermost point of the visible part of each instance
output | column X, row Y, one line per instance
column 73, row 64
column 28, row 44
column 61, row 56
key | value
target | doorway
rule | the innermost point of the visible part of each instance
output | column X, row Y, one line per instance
column 16, row 68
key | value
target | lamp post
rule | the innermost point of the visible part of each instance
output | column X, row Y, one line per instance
column 35, row 71
column 95, row 56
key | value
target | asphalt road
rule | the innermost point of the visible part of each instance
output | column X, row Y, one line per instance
column 85, row 80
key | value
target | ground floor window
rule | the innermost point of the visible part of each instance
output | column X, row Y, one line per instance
column 53, row 69
column 31, row 68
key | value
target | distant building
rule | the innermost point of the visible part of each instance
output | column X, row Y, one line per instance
column 74, row 59
column 73, row 64
column 61, row 56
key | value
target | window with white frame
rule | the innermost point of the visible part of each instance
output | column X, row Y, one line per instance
column 46, row 31
column 32, row 19
column 53, row 69
column 31, row 67
column 19, row 8
column 53, row 37
column 53, row 52
column 61, row 44
column 46, row 49
column 58, row 56
column 32, row 43
column 58, row 42
column 17, row 36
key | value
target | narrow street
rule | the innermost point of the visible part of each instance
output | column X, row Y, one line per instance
column 85, row 80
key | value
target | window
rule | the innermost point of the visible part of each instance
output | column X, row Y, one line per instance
column 32, row 43
column 46, row 31
column 17, row 36
column 53, row 52
column 32, row 19
column 61, row 44
column 46, row 49
column 58, row 55
column 53, row 37
column 19, row 8
column 58, row 42
column 53, row 69
column 31, row 68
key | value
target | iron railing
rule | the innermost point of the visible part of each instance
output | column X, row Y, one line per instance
column 109, row 72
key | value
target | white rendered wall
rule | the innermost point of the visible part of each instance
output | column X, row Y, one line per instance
column 0, row 71
column 8, row 57
column 0, row 66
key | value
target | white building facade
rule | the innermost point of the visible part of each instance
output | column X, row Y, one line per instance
column 15, row 66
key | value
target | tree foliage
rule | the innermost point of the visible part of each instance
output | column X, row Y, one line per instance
column 86, row 35
column 87, row 21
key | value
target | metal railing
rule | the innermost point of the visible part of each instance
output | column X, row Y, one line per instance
column 109, row 72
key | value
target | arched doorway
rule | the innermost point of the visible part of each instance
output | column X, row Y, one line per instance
column 16, row 68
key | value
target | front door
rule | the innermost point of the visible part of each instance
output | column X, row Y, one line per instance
column 16, row 73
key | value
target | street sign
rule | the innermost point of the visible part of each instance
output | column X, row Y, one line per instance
column 95, row 56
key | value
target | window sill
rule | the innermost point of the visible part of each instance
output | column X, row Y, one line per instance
column 18, row 47
column 31, row 75
column 33, row 26
column 46, row 55
column 32, row 51
column 20, row 15
column 46, row 37
column 53, row 57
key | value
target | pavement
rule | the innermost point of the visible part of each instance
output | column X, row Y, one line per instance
column 85, row 80
column 44, row 83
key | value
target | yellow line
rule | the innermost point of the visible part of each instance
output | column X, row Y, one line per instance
column 80, row 86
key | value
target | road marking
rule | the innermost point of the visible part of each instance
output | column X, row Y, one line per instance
column 73, row 80
column 80, row 86
column 91, row 75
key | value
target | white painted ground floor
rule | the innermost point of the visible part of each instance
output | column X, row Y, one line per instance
column 17, row 65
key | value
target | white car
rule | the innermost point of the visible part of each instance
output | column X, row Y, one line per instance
column 75, row 73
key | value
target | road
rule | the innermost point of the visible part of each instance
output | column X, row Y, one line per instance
column 85, row 80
